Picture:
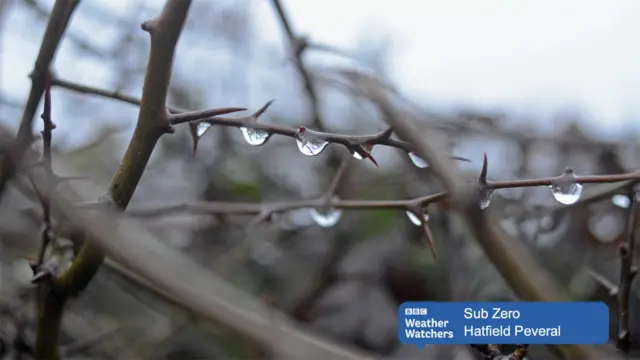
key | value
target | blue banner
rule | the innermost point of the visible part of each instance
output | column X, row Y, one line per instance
column 423, row 323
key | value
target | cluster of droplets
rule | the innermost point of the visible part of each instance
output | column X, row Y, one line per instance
column 309, row 145
column 565, row 189
column 254, row 137
column 327, row 216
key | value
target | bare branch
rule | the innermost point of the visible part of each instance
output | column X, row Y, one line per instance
column 58, row 21
column 513, row 259
column 628, row 272
column 152, row 124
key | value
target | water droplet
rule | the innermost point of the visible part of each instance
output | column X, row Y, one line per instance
column 415, row 220
column 566, row 191
column 368, row 148
column 254, row 137
column 202, row 127
column 418, row 161
column 485, row 198
column 621, row 201
column 326, row 217
column 311, row 146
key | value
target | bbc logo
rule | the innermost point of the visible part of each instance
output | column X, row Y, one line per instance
column 415, row 311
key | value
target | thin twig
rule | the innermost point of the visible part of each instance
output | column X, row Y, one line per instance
column 628, row 272
column 58, row 22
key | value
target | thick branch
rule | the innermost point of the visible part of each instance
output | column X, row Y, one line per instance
column 152, row 123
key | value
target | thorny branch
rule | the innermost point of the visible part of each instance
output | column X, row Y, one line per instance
column 628, row 272
column 156, row 119
column 515, row 263
column 152, row 124
column 180, row 116
column 58, row 22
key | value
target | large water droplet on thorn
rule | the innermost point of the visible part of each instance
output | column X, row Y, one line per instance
column 418, row 161
column 202, row 127
column 415, row 220
column 254, row 137
column 485, row 198
column 326, row 217
column 308, row 144
column 566, row 191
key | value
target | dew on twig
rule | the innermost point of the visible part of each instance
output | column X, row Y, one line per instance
column 418, row 161
column 254, row 137
column 327, row 216
column 201, row 128
column 309, row 145
column 566, row 191
column 415, row 220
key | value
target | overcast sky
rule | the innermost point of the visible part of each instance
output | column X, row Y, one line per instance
column 528, row 55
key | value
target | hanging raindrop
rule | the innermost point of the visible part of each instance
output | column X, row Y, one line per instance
column 417, row 161
column 326, row 217
column 254, row 137
column 309, row 145
column 367, row 148
column 202, row 127
column 415, row 220
column 485, row 198
column 566, row 191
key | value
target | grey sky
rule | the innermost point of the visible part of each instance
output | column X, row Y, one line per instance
column 525, row 55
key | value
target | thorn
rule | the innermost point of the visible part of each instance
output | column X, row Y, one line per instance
column 147, row 26
column 224, row 111
column 482, row 179
column 262, row 109
column 429, row 239
column 373, row 160
column 387, row 133
column 193, row 130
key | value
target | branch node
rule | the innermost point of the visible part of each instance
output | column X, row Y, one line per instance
column 148, row 26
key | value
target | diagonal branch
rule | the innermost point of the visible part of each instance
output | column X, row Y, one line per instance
column 152, row 124
column 513, row 259
column 628, row 272
column 298, row 45
column 58, row 22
